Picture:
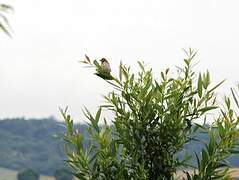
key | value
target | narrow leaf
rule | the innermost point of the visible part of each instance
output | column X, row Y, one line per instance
column 200, row 85
column 215, row 87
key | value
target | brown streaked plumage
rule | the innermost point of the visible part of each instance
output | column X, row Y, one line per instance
column 105, row 65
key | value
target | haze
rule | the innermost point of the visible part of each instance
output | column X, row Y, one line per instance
column 39, row 69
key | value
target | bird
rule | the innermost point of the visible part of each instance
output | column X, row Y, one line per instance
column 105, row 66
column 103, row 70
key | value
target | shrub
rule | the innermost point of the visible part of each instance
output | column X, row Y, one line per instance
column 154, row 118
column 28, row 174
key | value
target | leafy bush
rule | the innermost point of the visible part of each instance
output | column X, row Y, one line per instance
column 223, row 143
column 154, row 118
column 27, row 174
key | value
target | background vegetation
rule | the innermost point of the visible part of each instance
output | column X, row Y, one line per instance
column 18, row 136
column 30, row 144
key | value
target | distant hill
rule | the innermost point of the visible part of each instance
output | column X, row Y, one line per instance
column 30, row 144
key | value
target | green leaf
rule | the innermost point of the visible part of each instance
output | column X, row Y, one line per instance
column 120, row 71
column 131, row 80
column 203, row 110
column 105, row 76
column 201, row 127
column 141, row 66
column 198, row 161
column 97, row 117
column 215, row 87
column 94, row 122
column 187, row 61
column 97, row 64
column 200, row 85
column 125, row 73
column 235, row 98
column 207, row 80
column 87, row 58
column 205, row 158
column 5, row 8
column 234, row 151
column 4, row 29
column 162, row 75
column 228, row 102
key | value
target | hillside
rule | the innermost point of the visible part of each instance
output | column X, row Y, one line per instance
column 30, row 144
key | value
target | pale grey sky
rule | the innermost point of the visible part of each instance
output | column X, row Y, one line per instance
column 39, row 71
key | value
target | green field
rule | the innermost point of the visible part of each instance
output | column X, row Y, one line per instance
column 6, row 174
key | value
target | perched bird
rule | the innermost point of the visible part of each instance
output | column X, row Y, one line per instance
column 105, row 66
column 103, row 70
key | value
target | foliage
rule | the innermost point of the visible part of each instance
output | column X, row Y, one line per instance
column 154, row 119
column 4, row 23
column 94, row 162
column 223, row 143
column 21, row 140
column 27, row 174
column 63, row 174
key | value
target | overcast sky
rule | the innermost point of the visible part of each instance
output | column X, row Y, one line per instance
column 39, row 71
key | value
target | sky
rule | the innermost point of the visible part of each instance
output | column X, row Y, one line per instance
column 39, row 68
